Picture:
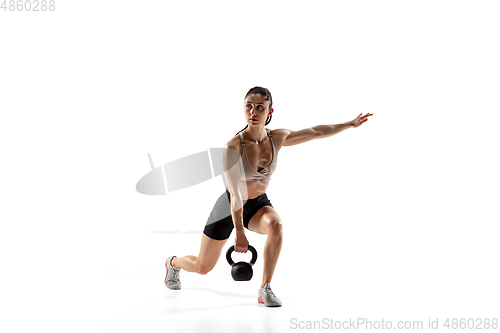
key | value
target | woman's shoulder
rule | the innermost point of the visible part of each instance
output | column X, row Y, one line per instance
column 279, row 136
column 232, row 151
column 279, row 131
column 234, row 142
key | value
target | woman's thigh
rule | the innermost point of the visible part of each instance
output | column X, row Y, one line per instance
column 262, row 221
column 210, row 251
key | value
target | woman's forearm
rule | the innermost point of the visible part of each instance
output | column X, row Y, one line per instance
column 237, row 211
column 329, row 130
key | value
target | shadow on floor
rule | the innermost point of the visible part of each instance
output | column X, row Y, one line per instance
column 224, row 293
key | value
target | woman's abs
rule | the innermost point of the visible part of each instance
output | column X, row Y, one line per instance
column 253, row 190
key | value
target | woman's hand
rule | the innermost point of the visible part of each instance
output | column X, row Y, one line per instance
column 240, row 242
column 360, row 119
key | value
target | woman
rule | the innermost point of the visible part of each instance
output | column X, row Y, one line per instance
column 249, row 160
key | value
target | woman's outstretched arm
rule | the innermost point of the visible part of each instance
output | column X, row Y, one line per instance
column 319, row 132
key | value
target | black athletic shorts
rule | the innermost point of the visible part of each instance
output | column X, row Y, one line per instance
column 220, row 222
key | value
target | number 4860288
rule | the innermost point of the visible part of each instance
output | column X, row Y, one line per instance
column 28, row 5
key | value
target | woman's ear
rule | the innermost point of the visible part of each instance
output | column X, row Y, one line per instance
column 270, row 112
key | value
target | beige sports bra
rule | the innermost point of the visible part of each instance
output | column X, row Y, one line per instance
column 250, row 174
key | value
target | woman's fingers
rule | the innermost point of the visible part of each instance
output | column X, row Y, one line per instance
column 240, row 249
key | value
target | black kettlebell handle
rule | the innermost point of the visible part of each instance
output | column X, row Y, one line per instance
column 231, row 250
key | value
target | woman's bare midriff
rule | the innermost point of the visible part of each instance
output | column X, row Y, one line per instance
column 253, row 190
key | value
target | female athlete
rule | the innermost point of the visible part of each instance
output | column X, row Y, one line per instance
column 249, row 160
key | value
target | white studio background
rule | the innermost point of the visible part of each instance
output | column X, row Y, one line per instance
column 397, row 218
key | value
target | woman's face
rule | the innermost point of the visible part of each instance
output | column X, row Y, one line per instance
column 256, row 110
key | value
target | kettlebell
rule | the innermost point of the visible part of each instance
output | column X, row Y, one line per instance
column 241, row 271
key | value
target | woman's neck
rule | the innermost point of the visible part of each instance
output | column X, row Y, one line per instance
column 255, row 134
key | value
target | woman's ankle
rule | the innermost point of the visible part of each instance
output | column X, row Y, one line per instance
column 172, row 262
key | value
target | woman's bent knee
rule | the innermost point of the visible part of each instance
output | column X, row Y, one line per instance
column 275, row 229
column 203, row 268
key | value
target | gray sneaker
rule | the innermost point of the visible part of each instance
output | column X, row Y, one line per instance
column 172, row 277
column 267, row 297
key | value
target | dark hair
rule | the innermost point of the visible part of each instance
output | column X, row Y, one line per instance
column 267, row 96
